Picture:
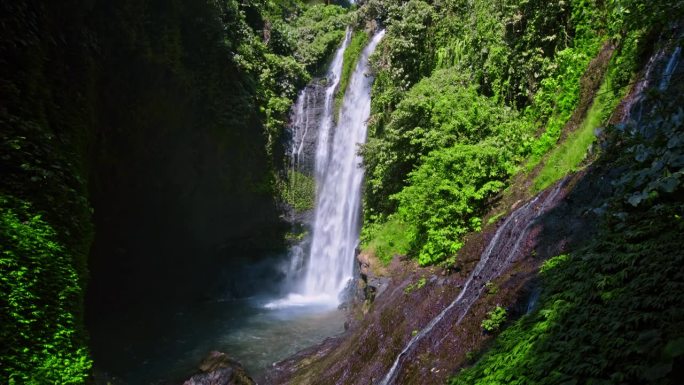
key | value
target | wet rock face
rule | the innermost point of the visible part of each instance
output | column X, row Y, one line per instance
column 219, row 369
column 305, row 120
column 372, row 283
column 400, row 303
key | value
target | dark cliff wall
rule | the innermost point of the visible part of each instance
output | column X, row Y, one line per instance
column 132, row 121
column 182, row 176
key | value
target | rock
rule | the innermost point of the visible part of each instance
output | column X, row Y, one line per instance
column 364, row 263
column 379, row 285
column 219, row 369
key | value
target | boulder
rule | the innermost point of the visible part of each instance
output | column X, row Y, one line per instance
column 219, row 369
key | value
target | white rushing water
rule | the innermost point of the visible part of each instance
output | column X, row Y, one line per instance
column 338, row 175
column 336, row 223
column 326, row 123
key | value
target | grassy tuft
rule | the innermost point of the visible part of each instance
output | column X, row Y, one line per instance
column 387, row 239
column 568, row 156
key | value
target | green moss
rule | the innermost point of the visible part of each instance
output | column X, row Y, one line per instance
column 567, row 156
column 385, row 240
column 419, row 284
column 495, row 218
column 351, row 57
column 299, row 191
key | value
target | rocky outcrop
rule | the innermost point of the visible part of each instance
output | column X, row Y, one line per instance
column 306, row 118
column 373, row 280
column 219, row 369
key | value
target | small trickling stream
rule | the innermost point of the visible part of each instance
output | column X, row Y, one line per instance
column 501, row 251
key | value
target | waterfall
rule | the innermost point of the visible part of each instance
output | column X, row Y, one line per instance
column 634, row 108
column 336, row 223
column 669, row 69
column 501, row 250
column 326, row 124
column 338, row 176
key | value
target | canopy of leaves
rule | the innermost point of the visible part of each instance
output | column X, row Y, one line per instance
column 460, row 72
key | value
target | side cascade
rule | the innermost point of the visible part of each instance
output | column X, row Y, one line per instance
column 338, row 174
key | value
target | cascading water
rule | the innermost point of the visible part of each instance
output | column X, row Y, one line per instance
column 336, row 224
column 312, row 119
column 669, row 69
column 634, row 108
column 323, row 141
column 338, row 178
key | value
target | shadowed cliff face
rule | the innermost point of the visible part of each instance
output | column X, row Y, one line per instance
column 180, row 182
column 181, row 175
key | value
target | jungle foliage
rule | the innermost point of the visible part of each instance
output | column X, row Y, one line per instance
column 41, row 300
column 497, row 80
column 610, row 311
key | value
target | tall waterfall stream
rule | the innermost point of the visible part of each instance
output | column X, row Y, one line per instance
column 338, row 174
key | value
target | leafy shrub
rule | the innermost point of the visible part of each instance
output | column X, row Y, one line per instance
column 316, row 33
column 447, row 195
column 495, row 318
column 40, row 297
column 491, row 288
column 386, row 239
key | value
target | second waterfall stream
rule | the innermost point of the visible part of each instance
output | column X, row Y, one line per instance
column 339, row 174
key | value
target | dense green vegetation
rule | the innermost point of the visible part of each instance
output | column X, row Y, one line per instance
column 41, row 299
column 132, row 123
column 610, row 313
column 497, row 81
column 351, row 56
column 569, row 154
column 495, row 318
column 149, row 121
column 611, row 310
column 300, row 191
